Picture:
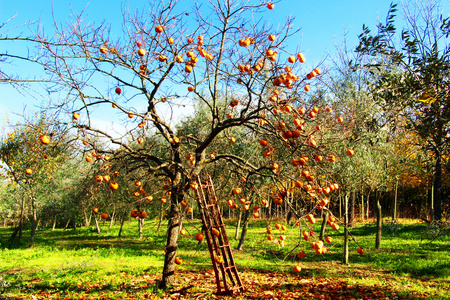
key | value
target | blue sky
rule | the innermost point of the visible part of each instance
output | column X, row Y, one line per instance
column 323, row 24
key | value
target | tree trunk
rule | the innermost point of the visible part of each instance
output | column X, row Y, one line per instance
column 379, row 223
column 54, row 223
column 437, row 189
column 362, row 207
column 173, row 229
column 121, row 224
column 141, row 225
column 324, row 223
column 86, row 220
column 244, row 230
column 13, row 236
column 97, row 226
column 352, row 218
column 238, row 225
column 113, row 215
column 367, row 205
column 340, row 206
column 67, row 224
column 90, row 217
column 345, row 259
column 34, row 222
column 22, row 214
column 394, row 216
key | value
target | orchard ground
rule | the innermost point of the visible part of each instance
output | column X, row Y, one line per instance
column 80, row 264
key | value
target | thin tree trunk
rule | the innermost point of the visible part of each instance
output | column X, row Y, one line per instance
column 13, row 235
column 121, row 224
column 394, row 217
column 244, row 230
column 340, row 206
column 67, row 224
column 324, row 223
column 141, row 225
column 362, row 207
column 379, row 223
column 367, row 205
column 238, row 225
column 437, row 189
column 345, row 259
column 22, row 215
column 86, row 220
column 90, row 218
column 97, row 226
column 34, row 222
column 113, row 216
column 432, row 203
column 352, row 217
column 54, row 223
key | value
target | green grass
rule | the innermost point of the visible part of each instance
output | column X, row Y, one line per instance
column 71, row 262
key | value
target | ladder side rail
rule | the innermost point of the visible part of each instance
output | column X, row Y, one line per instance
column 206, row 223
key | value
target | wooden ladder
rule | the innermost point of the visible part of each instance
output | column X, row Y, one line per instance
column 217, row 239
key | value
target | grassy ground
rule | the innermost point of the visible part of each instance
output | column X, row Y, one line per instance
column 81, row 264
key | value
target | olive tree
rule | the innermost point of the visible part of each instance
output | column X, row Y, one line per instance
column 412, row 77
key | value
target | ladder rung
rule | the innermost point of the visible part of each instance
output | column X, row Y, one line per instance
column 209, row 206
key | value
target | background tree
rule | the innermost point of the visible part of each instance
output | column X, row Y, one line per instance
column 32, row 155
column 412, row 77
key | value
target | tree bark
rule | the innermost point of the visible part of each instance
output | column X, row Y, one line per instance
column 352, row 217
column 34, row 222
column 362, row 207
column 244, row 230
column 367, row 205
column 379, row 227
column 13, row 236
column 121, row 224
column 173, row 229
column 345, row 259
column 86, row 220
column 437, row 190
column 90, row 218
column 54, row 223
column 324, row 223
column 96, row 225
column 394, row 217
column 238, row 225
column 113, row 216
column 67, row 224
column 141, row 225
column 22, row 214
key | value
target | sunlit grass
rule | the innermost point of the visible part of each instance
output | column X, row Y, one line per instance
column 68, row 259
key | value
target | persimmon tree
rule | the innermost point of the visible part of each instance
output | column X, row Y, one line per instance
column 412, row 77
column 223, row 57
